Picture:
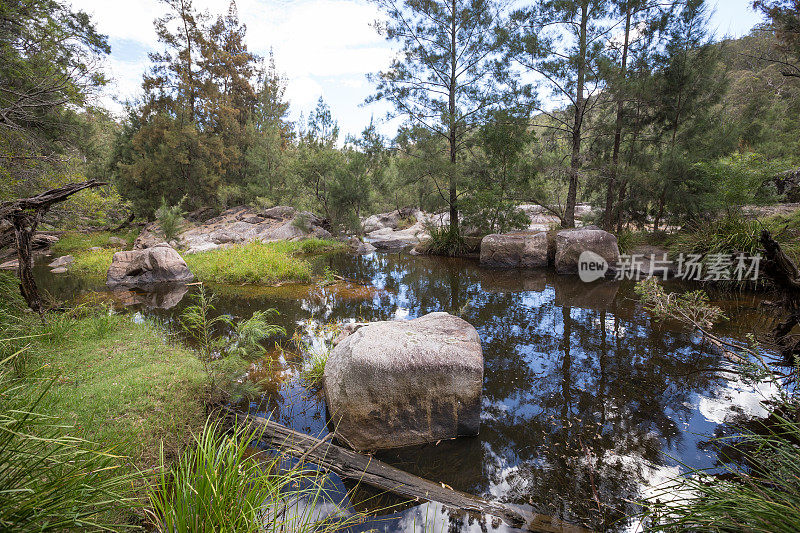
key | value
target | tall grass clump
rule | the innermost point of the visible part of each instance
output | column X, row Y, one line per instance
column 756, row 489
column 49, row 480
column 217, row 485
column 259, row 263
column 728, row 234
column 444, row 240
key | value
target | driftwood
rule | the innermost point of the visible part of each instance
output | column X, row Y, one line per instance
column 378, row 474
column 24, row 215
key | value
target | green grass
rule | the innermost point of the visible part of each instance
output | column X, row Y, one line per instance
column 253, row 263
column 70, row 243
column 259, row 263
column 758, row 489
column 92, row 263
column 120, row 383
column 218, row 485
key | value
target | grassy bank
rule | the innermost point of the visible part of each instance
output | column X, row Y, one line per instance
column 254, row 263
column 120, row 383
column 259, row 263
column 73, row 242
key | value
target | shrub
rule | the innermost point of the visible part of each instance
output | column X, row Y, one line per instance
column 170, row 219
column 219, row 486
column 444, row 241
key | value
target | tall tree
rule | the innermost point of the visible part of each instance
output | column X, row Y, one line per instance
column 785, row 18
column 689, row 82
column 443, row 80
column 639, row 21
column 49, row 66
column 199, row 97
column 562, row 43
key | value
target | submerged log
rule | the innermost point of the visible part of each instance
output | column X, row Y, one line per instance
column 24, row 215
column 371, row 471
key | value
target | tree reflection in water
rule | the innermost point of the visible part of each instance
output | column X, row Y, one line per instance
column 584, row 398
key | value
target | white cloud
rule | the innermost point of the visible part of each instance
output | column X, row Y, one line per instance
column 321, row 45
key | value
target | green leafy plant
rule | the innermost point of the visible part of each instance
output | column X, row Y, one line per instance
column 217, row 485
column 226, row 346
column 170, row 218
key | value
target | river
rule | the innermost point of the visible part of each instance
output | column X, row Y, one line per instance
column 588, row 404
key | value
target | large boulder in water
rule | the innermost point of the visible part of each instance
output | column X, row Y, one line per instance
column 154, row 265
column 406, row 382
column 521, row 249
column 571, row 243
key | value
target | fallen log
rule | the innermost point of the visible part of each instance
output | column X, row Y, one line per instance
column 371, row 471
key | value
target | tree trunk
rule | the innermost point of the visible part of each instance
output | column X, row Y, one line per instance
column 452, row 123
column 608, row 218
column 575, row 160
column 661, row 200
column 24, row 227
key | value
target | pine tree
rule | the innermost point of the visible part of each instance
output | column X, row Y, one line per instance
column 443, row 81
column 689, row 82
column 563, row 42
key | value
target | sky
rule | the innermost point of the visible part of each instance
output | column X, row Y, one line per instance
column 324, row 47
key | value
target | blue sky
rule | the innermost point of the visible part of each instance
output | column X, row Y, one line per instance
column 324, row 47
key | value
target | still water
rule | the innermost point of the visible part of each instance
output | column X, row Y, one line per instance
column 587, row 403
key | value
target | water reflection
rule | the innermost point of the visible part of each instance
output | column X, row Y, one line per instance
column 586, row 401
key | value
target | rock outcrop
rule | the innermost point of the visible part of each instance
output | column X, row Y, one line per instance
column 571, row 243
column 402, row 383
column 240, row 225
column 398, row 229
column 525, row 249
column 152, row 266
column 63, row 261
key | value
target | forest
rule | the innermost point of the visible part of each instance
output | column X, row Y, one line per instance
column 628, row 106
column 179, row 348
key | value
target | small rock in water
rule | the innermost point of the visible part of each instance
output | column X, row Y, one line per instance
column 62, row 261
column 59, row 270
column 10, row 265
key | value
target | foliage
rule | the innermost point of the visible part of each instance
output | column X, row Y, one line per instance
column 226, row 346
column 170, row 219
column 259, row 263
column 444, row 240
column 692, row 308
column 444, row 80
column 51, row 480
column 731, row 233
column 218, row 485
column 49, row 64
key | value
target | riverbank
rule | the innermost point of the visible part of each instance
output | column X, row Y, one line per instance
column 252, row 263
column 111, row 384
